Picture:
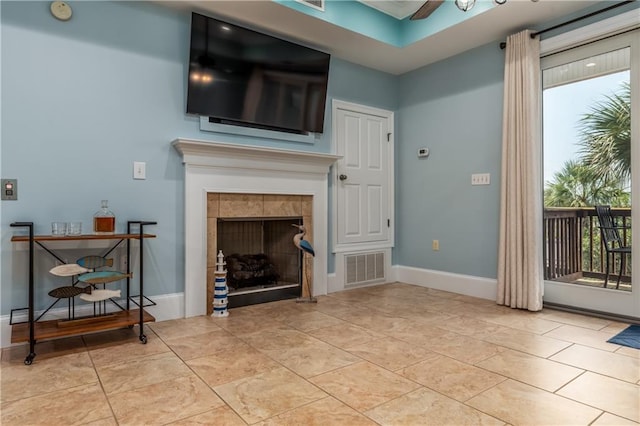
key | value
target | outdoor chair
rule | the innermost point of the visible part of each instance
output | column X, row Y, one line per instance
column 611, row 240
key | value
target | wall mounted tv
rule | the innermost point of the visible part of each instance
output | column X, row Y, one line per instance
column 242, row 77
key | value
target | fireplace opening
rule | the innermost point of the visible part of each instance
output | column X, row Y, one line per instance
column 263, row 264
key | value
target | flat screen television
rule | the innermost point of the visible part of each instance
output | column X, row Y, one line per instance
column 242, row 77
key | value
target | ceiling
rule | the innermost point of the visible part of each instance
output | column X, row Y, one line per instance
column 491, row 25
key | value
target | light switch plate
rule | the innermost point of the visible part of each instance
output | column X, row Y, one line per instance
column 9, row 189
column 139, row 170
column 481, row 179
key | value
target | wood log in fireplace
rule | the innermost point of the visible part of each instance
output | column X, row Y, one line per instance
column 250, row 270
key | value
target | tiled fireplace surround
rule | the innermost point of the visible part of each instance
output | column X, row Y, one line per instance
column 244, row 179
column 227, row 206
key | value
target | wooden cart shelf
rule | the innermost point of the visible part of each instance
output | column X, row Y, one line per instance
column 59, row 328
column 18, row 238
column 34, row 330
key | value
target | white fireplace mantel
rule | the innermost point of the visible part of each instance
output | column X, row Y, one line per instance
column 216, row 154
column 228, row 168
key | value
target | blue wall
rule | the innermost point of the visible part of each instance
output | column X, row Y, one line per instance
column 454, row 108
column 83, row 99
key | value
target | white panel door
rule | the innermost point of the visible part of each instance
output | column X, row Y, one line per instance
column 363, row 177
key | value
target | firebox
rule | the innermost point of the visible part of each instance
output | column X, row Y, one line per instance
column 263, row 264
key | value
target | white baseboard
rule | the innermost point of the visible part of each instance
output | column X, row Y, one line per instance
column 332, row 283
column 484, row 288
column 168, row 306
column 393, row 273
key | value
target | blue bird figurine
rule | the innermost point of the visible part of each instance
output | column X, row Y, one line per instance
column 306, row 248
column 301, row 243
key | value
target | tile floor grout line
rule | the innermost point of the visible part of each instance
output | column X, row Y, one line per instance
column 401, row 396
column 593, row 371
column 104, row 392
column 584, row 403
column 226, row 404
column 274, row 360
column 484, row 412
column 203, row 381
column 326, row 372
column 169, row 379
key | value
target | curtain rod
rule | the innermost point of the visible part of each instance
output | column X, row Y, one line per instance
column 580, row 18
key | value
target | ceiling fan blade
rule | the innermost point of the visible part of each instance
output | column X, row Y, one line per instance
column 426, row 9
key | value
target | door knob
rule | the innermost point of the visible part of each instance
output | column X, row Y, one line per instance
column 342, row 177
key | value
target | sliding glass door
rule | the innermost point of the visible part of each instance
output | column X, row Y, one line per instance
column 591, row 158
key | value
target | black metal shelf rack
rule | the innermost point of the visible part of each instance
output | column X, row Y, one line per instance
column 34, row 329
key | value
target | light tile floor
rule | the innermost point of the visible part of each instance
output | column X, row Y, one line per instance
column 392, row 354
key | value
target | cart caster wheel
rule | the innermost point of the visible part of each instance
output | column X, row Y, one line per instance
column 143, row 339
column 29, row 359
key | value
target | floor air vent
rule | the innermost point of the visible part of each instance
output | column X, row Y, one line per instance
column 364, row 268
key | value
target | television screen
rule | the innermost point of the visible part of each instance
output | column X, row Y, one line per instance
column 242, row 77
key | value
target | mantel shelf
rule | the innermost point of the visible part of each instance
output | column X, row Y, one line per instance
column 225, row 155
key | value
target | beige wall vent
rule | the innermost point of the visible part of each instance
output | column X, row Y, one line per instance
column 316, row 4
column 364, row 268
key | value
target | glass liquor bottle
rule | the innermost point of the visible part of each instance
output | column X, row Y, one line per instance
column 104, row 221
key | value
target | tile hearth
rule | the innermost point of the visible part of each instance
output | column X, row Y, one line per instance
column 384, row 355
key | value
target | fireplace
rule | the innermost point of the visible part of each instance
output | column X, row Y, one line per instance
column 263, row 264
column 259, row 253
column 229, row 181
column 255, row 234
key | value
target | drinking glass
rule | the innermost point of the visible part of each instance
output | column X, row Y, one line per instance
column 74, row 228
column 58, row 228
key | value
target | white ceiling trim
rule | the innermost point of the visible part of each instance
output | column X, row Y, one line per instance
column 399, row 9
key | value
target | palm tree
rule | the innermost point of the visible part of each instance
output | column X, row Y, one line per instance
column 602, row 173
column 576, row 185
column 605, row 136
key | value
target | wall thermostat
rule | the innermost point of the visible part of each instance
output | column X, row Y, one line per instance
column 423, row 152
